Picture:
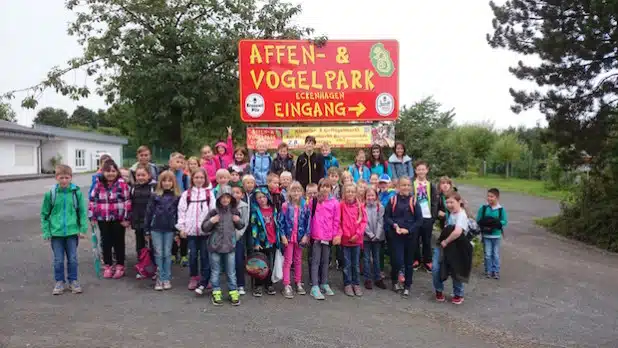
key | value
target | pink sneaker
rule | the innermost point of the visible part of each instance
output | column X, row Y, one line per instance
column 193, row 282
column 119, row 272
column 108, row 272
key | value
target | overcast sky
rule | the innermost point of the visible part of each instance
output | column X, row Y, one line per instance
column 443, row 51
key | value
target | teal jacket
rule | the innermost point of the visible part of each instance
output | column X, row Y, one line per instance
column 493, row 213
column 60, row 220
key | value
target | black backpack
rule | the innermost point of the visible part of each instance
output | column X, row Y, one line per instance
column 484, row 213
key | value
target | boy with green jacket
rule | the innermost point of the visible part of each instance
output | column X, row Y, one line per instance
column 63, row 218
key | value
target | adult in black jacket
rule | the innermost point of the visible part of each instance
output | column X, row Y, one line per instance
column 310, row 165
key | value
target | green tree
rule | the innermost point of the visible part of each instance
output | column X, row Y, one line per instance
column 84, row 117
column 506, row 150
column 7, row 113
column 52, row 117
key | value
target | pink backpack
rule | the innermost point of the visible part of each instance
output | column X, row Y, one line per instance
column 145, row 267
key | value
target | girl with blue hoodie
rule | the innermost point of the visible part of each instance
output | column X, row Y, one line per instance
column 259, row 166
column 401, row 164
column 359, row 170
column 377, row 164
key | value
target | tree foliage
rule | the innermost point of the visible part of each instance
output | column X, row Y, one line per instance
column 84, row 117
column 7, row 113
column 52, row 117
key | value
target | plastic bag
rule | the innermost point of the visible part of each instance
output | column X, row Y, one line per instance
column 145, row 267
column 277, row 274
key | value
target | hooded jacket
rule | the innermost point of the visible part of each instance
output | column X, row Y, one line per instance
column 290, row 215
column 353, row 223
column 61, row 219
column 398, row 211
column 193, row 209
column 309, row 169
column 161, row 213
column 228, row 156
column 259, row 235
column 259, row 167
column 279, row 164
column 222, row 235
column 355, row 170
column 110, row 201
column 374, row 232
column 140, row 196
column 324, row 224
column 211, row 166
column 401, row 167
column 330, row 161
column 379, row 168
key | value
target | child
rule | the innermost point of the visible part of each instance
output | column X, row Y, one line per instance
column 225, row 150
column 220, row 227
column 346, row 178
column 243, row 209
column 444, row 187
column 210, row 164
column 402, row 220
column 223, row 178
column 193, row 163
column 63, row 225
column 140, row 196
column 193, row 206
column 330, row 161
column 359, row 170
column 292, row 239
column 284, row 161
column 285, row 180
column 377, row 164
column 234, row 178
column 426, row 195
column 401, row 164
column 260, row 163
column 104, row 157
column 160, row 226
column 126, row 175
column 310, row 165
column 384, row 192
column 351, row 231
column 311, row 192
column 459, row 220
column 361, row 188
column 143, row 159
column 248, row 185
column 373, row 239
column 333, row 176
column 320, row 221
column 110, row 206
column 266, row 235
column 492, row 219
column 374, row 180
column 241, row 161
column 275, row 190
column 176, row 166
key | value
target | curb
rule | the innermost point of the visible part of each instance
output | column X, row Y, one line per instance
column 25, row 178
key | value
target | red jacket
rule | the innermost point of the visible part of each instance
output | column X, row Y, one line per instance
column 351, row 223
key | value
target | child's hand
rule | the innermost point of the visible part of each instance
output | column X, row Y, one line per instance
column 257, row 248
column 236, row 218
column 176, row 239
column 147, row 238
column 396, row 227
column 404, row 231
column 304, row 240
column 183, row 234
column 229, row 130
column 125, row 224
column 353, row 239
column 214, row 219
column 284, row 240
column 337, row 240
column 441, row 214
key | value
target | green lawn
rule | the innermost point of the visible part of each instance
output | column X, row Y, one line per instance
column 529, row 187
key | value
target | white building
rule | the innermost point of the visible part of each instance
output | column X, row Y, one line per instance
column 20, row 149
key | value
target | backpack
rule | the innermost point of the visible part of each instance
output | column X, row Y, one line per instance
column 253, row 161
column 394, row 203
column 189, row 198
column 132, row 192
column 52, row 193
column 500, row 212
column 145, row 267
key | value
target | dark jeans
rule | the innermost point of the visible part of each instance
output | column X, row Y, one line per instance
column 351, row 269
column 62, row 246
column 112, row 238
column 240, row 262
column 319, row 263
column 402, row 250
column 270, row 257
column 424, row 240
column 199, row 252
column 309, row 262
column 371, row 260
column 183, row 247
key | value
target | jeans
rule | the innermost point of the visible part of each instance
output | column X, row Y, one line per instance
column 491, row 246
column 62, row 246
column 438, row 284
column 424, row 241
column 351, row 259
column 320, row 254
column 310, row 261
column 240, row 262
column 402, row 249
column 162, row 242
column 371, row 260
column 293, row 254
column 215, row 263
column 198, row 251
column 112, row 238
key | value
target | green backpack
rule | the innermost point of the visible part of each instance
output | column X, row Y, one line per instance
column 52, row 196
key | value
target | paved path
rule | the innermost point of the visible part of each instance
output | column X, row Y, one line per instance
column 554, row 293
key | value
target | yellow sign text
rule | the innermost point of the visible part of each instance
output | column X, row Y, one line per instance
column 331, row 79
column 310, row 109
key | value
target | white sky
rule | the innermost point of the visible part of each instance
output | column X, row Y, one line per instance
column 443, row 51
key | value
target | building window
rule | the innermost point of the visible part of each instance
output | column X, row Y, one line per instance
column 80, row 158
column 24, row 155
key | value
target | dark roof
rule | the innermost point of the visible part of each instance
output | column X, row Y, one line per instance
column 11, row 127
column 75, row 134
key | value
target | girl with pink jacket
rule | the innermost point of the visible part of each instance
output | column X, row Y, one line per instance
column 351, row 231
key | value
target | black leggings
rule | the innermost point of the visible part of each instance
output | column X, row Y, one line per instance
column 112, row 237
column 183, row 247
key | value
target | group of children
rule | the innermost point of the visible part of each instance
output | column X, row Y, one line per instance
column 227, row 206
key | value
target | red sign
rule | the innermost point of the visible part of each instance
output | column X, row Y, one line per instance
column 297, row 81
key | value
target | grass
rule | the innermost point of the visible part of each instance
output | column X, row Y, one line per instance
column 529, row 187
column 546, row 222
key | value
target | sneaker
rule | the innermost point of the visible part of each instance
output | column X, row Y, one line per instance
column 406, row 292
column 119, row 272
column 271, row 290
column 416, row 265
column 402, row 277
column 241, row 291
column 382, row 275
column 348, row 290
column 496, row 276
column 75, row 287
column 167, row 285
column 216, row 298
column 316, row 293
column 489, row 275
column 193, row 283
column 58, row 288
column 357, row 290
column 155, row 276
column 368, row 284
column 158, row 285
column 257, row 291
column 457, row 300
column 327, row 290
column 184, row 261
column 200, row 290
column 108, row 272
column 139, row 276
column 397, row 287
column 300, row 290
column 380, row 284
column 234, row 298
column 440, row 296
column 173, row 258
column 428, row 267
column 287, row 292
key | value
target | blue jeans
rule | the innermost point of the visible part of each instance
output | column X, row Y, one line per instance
column 162, row 243
column 491, row 246
column 240, row 262
column 438, row 284
column 198, row 250
column 351, row 259
column 371, row 260
column 62, row 246
column 215, row 264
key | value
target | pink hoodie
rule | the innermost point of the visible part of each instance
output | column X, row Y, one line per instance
column 228, row 157
column 350, row 224
column 325, row 223
column 211, row 166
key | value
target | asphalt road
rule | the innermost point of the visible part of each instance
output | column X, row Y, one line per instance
column 553, row 293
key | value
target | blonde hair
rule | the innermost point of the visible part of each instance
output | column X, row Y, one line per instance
column 248, row 177
column 445, row 179
column 63, row 169
column 193, row 158
column 286, row 174
column 221, row 172
column 167, row 175
column 175, row 155
column 360, row 208
column 295, row 185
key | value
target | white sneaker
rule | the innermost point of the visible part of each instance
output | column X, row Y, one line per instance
column 199, row 291
column 167, row 285
column 158, row 285
column 241, row 290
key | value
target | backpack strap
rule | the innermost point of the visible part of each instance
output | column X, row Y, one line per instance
column 77, row 207
column 394, row 203
column 52, row 199
column 485, row 206
column 188, row 198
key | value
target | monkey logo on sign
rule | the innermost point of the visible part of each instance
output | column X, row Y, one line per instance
column 254, row 105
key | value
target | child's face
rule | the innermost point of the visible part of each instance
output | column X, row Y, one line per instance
column 239, row 156
column 350, row 194
column 295, row 194
column 347, row 179
column 221, row 150
column 111, row 174
column 309, row 146
column 248, row 185
column 262, row 200
column 223, row 179
column 324, row 191
column 312, row 192
column 126, row 175
column 360, row 192
column 285, row 181
column 234, row 177
column 283, row 152
column 167, row 184
column 492, row 199
column 260, row 147
column 421, row 171
column 176, row 163
column 374, row 181
column 375, row 153
column 325, row 150
column 64, row 180
column 383, row 186
column 399, row 151
column 237, row 193
column 142, row 176
column 405, row 187
column 371, row 196
column 273, row 184
column 225, row 200
column 445, row 187
column 193, row 165
column 143, row 157
column 453, row 205
column 207, row 153
column 334, row 177
column 199, row 179
column 360, row 157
